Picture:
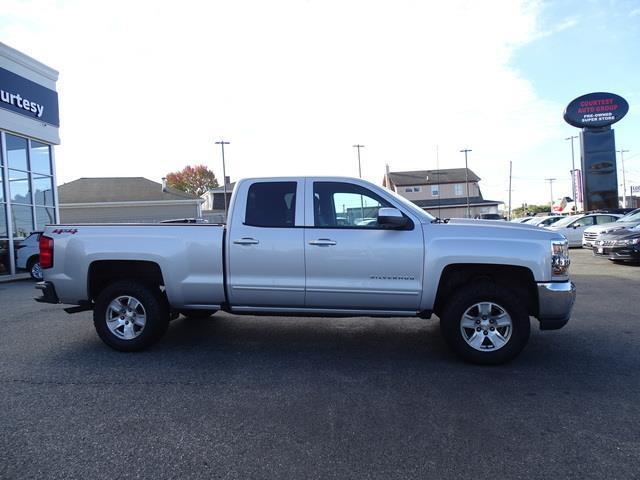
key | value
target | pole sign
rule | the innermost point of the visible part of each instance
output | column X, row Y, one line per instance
column 595, row 110
column 635, row 189
column 22, row 96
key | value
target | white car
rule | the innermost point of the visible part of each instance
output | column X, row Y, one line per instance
column 28, row 255
column 546, row 220
column 592, row 234
column 573, row 226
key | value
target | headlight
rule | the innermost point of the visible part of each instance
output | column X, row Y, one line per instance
column 560, row 257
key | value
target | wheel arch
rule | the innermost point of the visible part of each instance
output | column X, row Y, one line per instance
column 101, row 273
column 519, row 279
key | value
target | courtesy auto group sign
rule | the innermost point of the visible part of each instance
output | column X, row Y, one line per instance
column 24, row 97
column 595, row 110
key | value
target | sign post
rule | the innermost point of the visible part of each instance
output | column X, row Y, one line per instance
column 594, row 113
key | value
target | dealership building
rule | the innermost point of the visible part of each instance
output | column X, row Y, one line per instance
column 29, row 123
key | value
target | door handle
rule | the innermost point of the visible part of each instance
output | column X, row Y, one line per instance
column 322, row 242
column 246, row 241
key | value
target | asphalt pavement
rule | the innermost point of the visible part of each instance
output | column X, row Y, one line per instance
column 242, row 397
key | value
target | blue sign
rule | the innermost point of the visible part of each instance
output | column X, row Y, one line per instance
column 25, row 97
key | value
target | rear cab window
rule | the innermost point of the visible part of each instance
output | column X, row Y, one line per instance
column 271, row 204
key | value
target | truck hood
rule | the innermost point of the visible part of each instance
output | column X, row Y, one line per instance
column 471, row 228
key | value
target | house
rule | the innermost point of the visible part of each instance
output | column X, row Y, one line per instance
column 213, row 206
column 124, row 200
column 442, row 193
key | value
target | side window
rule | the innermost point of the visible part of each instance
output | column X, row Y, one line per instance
column 271, row 204
column 583, row 222
column 605, row 219
column 344, row 205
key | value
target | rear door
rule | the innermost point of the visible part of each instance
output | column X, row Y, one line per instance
column 351, row 262
column 266, row 249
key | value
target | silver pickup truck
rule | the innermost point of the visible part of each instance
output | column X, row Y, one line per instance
column 326, row 246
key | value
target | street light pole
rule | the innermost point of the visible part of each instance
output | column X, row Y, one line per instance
column 551, row 180
column 222, row 143
column 624, row 181
column 466, row 178
column 358, row 147
column 573, row 174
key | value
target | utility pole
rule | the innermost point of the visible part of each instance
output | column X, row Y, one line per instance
column 551, row 180
column 510, row 171
column 466, row 177
column 573, row 174
column 222, row 143
column 357, row 146
column 624, row 181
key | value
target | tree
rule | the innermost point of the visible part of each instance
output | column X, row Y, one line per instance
column 529, row 210
column 195, row 180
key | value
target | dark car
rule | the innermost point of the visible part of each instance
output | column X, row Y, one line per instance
column 619, row 246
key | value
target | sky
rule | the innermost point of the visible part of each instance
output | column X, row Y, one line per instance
column 147, row 88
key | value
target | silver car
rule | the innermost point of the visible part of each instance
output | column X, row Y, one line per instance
column 573, row 226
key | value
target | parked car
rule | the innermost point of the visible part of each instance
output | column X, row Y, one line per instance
column 573, row 226
column 620, row 245
column 545, row 220
column 522, row 219
column 591, row 234
column 27, row 255
column 491, row 216
column 284, row 251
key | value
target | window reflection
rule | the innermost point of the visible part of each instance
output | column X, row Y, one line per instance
column 43, row 190
column 40, row 158
column 16, row 152
column 4, row 232
column 22, row 220
column 19, row 191
column 44, row 216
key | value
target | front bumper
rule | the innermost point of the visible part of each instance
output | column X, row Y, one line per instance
column 621, row 253
column 49, row 294
column 555, row 301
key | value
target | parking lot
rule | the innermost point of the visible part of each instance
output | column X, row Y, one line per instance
column 261, row 397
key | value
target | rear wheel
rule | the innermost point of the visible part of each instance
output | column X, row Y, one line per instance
column 34, row 269
column 485, row 324
column 130, row 316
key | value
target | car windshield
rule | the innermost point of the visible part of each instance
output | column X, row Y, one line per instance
column 630, row 217
column 566, row 221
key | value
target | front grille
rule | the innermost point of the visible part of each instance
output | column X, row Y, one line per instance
column 590, row 236
column 607, row 243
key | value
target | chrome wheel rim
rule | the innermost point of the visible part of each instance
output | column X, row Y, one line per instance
column 36, row 271
column 486, row 326
column 126, row 317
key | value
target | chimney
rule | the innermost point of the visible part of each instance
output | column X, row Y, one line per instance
column 164, row 184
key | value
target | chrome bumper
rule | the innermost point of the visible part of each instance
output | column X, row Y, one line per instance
column 555, row 301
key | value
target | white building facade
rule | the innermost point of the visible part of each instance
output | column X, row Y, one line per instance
column 29, row 122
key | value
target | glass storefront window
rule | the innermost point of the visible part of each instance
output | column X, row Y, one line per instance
column 17, row 152
column 22, row 220
column 5, row 268
column 19, row 191
column 4, row 231
column 44, row 216
column 40, row 158
column 43, row 190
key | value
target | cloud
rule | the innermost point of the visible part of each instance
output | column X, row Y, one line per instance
column 147, row 87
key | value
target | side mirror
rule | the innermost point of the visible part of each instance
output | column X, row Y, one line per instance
column 392, row 218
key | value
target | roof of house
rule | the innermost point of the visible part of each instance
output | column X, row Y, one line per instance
column 429, row 177
column 220, row 189
column 454, row 202
column 117, row 189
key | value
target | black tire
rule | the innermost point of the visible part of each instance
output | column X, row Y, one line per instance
column 502, row 298
column 33, row 267
column 153, row 305
column 197, row 314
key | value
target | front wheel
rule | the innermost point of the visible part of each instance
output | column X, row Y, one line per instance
column 485, row 324
column 130, row 316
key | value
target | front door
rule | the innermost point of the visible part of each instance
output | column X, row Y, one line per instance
column 266, row 245
column 352, row 262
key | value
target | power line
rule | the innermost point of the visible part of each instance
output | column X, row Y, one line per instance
column 358, row 146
